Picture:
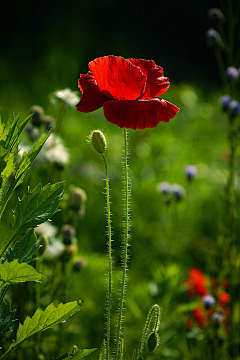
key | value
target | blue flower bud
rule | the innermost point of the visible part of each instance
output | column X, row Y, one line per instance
column 232, row 73
column 217, row 318
column 178, row 191
column 208, row 301
column 225, row 101
column 234, row 108
column 214, row 39
column 164, row 187
column 191, row 171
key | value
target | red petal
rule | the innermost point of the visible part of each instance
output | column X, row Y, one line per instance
column 139, row 114
column 118, row 77
column 157, row 84
column 144, row 65
column 92, row 98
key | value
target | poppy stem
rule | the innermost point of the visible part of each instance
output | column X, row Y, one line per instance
column 123, row 283
column 109, row 296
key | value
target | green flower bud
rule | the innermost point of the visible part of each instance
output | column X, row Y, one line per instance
column 98, row 141
column 153, row 341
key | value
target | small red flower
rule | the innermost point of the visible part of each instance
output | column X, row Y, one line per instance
column 200, row 317
column 128, row 90
column 224, row 298
column 196, row 283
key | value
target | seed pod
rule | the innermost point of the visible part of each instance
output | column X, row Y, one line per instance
column 153, row 341
column 98, row 141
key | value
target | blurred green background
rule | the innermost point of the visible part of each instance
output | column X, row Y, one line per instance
column 45, row 45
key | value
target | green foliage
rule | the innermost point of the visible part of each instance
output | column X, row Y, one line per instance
column 36, row 207
column 43, row 320
column 25, row 250
column 6, row 318
column 76, row 355
column 13, row 273
column 9, row 140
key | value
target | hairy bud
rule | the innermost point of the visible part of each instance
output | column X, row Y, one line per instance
column 98, row 141
column 153, row 341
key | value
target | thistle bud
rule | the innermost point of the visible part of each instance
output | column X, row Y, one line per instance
column 191, row 172
column 225, row 101
column 38, row 114
column 79, row 264
column 153, row 341
column 208, row 301
column 216, row 14
column 48, row 122
column 68, row 233
column 232, row 73
column 98, row 141
column 214, row 39
column 178, row 191
column 77, row 199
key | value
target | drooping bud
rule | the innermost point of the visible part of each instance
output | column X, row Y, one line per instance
column 153, row 341
column 216, row 14
column 38, row 114
column 214, row 39
column 98, row 141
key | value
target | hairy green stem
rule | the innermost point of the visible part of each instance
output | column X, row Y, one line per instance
column 126, row 195
column 109, row 300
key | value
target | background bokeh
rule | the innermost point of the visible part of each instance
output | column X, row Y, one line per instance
column 46, row 44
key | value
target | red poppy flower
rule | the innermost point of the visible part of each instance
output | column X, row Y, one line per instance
column 200, row 317
column 196, row 283
column 224, row 298
column 128, row 90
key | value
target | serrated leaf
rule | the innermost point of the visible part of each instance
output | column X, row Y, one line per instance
column 37, row 206
column 28, row 158
column 13, row 273
column 25, row 250
column 80, row 354
column 43, row 320
column 6, row 318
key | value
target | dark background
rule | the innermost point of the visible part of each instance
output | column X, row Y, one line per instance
column 46, row 44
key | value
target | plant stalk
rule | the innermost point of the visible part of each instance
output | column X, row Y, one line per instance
column 126, row 196
column 109, row 300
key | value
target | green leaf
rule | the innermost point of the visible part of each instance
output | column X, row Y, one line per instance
column 37, row 206
column 81, row 354
column 43, row 320
column 13, row 273
column 6, row 318
column 28, row 158
column 25, row 250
